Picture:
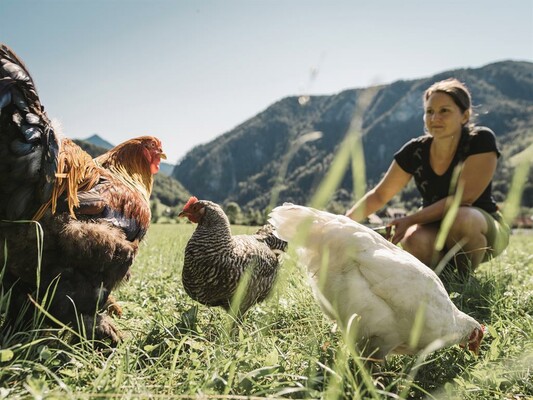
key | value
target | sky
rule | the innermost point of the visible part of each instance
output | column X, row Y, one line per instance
column 188, row 71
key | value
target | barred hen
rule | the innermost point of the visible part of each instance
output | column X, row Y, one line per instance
column 93, row 213
column 216, row 262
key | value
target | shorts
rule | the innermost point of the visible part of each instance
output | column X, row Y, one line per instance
column 498, row 234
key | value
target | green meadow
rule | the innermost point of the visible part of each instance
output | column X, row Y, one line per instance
column 285, row 347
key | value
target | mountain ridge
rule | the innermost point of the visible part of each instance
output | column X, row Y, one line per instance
column 99, row 141
column 242, row 165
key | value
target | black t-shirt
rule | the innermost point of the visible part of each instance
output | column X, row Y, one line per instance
column 413, row 158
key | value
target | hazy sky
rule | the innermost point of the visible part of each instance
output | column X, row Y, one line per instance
column 188, row 71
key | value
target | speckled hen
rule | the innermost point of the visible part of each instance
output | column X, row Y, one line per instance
column 215, row 261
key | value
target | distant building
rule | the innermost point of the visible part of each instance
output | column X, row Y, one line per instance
column 373, row 219
column 394, row 213
column 523, row 222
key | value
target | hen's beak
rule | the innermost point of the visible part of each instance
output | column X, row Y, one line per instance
column 162, row 155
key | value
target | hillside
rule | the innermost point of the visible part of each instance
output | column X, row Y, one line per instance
column 99, row 141
column 243, row 164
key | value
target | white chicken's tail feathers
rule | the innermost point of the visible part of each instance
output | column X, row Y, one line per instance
column 309, row 227
column 293, row 221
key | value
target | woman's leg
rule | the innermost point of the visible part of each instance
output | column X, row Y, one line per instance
column 470, row 227
column 419, row 240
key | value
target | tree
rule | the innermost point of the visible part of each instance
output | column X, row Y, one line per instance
column 155, row 206
column 234, row 213
column 255, row 217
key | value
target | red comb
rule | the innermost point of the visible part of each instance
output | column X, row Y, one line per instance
column 190, row 202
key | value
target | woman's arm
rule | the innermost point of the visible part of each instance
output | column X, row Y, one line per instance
column 394, row 180
column 478, row 171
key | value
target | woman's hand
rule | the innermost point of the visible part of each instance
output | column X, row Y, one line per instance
column 400, row 228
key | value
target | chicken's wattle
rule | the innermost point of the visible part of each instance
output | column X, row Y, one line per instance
column 155, row 165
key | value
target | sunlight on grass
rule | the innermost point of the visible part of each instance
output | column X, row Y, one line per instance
column 520, row 177
column 285, row 347
column 293, row 149
column 349, row 153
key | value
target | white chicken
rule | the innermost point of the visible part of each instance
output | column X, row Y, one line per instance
column 359, row 276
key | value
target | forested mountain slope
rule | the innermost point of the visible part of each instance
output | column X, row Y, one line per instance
column 242, row 165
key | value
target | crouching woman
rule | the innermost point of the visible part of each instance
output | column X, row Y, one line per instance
column 454, row 158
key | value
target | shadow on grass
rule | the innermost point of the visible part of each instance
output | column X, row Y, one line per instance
column 474, row 294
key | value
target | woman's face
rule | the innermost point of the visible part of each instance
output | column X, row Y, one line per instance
column 442, row 117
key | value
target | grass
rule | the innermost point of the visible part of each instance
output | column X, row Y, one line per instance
column 285, row 348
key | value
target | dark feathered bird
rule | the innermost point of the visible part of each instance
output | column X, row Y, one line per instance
column 215, row 261
column 93, row 213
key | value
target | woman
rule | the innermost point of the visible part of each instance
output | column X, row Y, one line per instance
column 451, row 146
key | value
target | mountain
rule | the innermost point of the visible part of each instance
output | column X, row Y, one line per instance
column 244, row 164
column 98, row 141
column 166, row 168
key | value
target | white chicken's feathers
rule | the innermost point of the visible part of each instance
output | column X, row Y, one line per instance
column 356, row 271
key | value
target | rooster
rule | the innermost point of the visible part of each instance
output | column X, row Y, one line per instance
column 216, row 262
column 92, row 214
column 375, row 290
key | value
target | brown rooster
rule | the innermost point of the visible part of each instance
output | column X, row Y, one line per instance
column 91, row 213
column 215, row 261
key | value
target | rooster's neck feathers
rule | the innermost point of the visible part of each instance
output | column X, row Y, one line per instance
column 77, row 171
column 128, row 163
column 134, row 180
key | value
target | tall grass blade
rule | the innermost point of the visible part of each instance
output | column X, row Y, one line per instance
column 357, row 131
column 514, row 197
column 349, row 152
column 334, row 176
column 416, row 330
column 282, row 173
column 358, row 169
column 457, row 188
column 241, row 292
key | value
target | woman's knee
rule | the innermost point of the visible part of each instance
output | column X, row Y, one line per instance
column 468, row 222
column 415, row 239
column 420, row 242
column 470, row 232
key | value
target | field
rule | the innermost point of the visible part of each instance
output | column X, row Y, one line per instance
column 286, row 348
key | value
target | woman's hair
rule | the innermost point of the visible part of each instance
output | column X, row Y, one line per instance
column 456, row 90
